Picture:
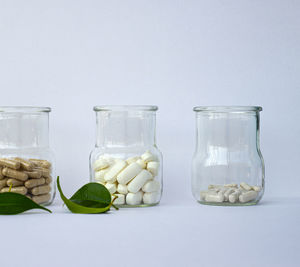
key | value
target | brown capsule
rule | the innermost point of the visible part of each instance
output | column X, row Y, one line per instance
column 25, row 164
column 48, row 180
column 3, row 183
column 19, row 189
column 34, row 182
column 36, row 173
column 46, row 172
column 15, row 174
column 13, row 182
column 1, row 175
column 40, row 190
column 41, row 162
column 41, row 198
column 10, row 163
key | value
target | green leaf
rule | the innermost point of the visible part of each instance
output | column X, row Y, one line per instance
column 14, row 203
column 90, row 199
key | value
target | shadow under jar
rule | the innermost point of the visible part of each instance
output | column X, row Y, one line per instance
column 227, row 167
column 26, row 161
column 126, row 159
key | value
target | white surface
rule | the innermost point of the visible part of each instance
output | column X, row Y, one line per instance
column 188, row 234
column 71, row 55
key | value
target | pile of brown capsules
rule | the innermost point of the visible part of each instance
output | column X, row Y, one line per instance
column 30, row 177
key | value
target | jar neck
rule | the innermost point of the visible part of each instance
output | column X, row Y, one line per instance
column 227, row 132
column 125, row 128
column 24, row 130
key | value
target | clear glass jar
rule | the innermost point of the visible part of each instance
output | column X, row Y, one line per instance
column 126, row 159
column 26, row 161
column 227, row 166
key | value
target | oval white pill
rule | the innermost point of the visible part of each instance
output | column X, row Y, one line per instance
column 147, row 156
column 132, row 159
column 248, row 196
column 100, row 164
column 256, row 188
column 120, row 200
column 151, row 198
column 151, row 186
column 153, row 167
column 129, row 173
column 111, row 187
column 245, row 186
column 122, row 189
column 142, row 163
column 99, row 175
column 137, row 183
column 111, row 175
column 134, row 198
column 214, row 197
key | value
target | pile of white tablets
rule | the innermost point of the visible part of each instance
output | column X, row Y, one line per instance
column 230, row 193
column 134, row 181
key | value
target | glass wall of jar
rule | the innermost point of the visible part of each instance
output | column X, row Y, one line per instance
column 26, row 161
column 227, row 166
column 126, row 159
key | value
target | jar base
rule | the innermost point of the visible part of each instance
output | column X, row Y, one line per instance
column 252, row 203
column 137, row 206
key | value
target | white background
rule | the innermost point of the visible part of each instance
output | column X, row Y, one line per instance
column 72, row 55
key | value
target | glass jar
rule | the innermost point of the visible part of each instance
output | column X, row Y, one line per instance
column 227, row 166
column 26, row 161
column 126, row 159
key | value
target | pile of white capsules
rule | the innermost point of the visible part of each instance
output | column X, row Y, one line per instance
column 230, row 193
column 132, row 180
column 29, row 177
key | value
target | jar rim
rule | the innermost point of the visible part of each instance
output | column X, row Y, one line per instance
column 24, row 109
column 126, row 108
column 227, row 108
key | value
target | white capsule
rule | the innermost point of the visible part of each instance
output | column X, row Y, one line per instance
column 120, row 200
column 99, row 175
column 227, row 193
column 234, row 197
column 151, row 186
column 245, row 186
column 215, row 186
column 151, row 198
column 111, row 187
column 147, row 156
column 248, row 196
column 137, row 183
column 132, row 159
column 134, row 198
column 122, row 189
column 129, row 173
column 231, row 185
column 111, row 175
column 100, row 164
column 142, row 163
column 256, row 188
column 214, row 197
column 153, row 167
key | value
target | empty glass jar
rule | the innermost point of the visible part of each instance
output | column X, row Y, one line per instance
column 227, row 167
column 126, row 159
column 26, row 161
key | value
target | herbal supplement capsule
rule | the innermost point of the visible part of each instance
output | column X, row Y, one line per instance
column 34, row 182
column 151, row 186
column 231, row 185
column 46, row 172
column 36, row 173
column 40, row 190
column 248, row 196
column 15, row 174
column 120, row 200
column 234, row 197
column 122, row 189
column 227, row 193
column 215, row 186
column 142, row 163
column 100, row 164
column 147, row 156
column 111, row 175
column 19, row 189
column 25, row 164
column 41, row 162
column 48, row 180
column 111, row 187
column 134, row 198
column 99, row 175
column 137, row 183
column 3, row 183
column 245, row 186
column 13, row 164
column 1, row 175
column 41, row 198
column 129, row 173
column 256, row 188
column 153, row 167
column 132, row 159
column 214, row 197
column 151, row 198
column 14, row 182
